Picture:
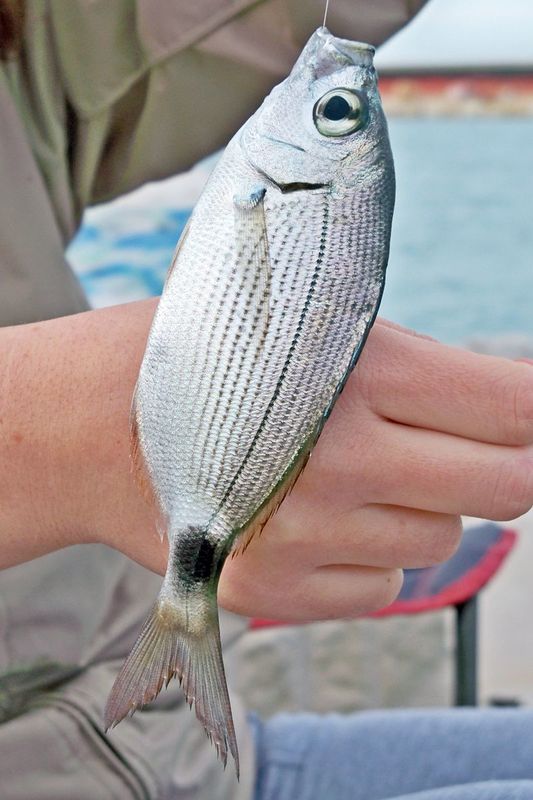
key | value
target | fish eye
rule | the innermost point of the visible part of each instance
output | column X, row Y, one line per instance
column 340, row 112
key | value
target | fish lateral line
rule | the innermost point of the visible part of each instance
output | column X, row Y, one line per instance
column 288, row 359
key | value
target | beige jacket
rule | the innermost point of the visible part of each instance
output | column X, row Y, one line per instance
column 108, row 94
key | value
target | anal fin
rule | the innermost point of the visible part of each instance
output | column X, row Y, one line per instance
column 271, row 505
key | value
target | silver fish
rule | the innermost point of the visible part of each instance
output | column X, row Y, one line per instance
column 273, row 289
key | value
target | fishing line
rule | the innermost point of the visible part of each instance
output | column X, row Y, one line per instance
column 325, row 14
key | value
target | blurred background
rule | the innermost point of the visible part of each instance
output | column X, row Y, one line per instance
column 457, row 86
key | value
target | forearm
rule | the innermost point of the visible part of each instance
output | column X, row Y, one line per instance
column 65, row 393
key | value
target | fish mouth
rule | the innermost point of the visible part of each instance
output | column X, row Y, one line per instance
column 293, row 186
column 298, row 186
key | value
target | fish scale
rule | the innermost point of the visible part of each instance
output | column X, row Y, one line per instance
column 273, row 289
column 303, row 381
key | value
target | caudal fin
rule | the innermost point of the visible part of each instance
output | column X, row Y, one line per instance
column 168, row 648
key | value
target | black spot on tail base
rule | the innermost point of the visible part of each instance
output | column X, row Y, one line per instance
column 197, row 557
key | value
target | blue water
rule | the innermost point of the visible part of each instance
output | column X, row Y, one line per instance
column 462, row 245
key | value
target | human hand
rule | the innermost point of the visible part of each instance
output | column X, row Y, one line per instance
column 421, row 434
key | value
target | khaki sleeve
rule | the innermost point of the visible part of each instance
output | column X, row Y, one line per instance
column 154, row 85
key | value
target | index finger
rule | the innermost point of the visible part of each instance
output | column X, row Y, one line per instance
column 420, row 382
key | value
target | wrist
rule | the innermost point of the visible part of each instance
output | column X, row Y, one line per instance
column 65, row 393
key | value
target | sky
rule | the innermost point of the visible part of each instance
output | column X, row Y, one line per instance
column 464, row 33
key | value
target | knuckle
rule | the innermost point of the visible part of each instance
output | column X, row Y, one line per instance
column 370, row 380
column 385, row 591
column 372, row 369
column 367, row 382
column 325, row 469
column 345, row 451
column 516, row 411
column 444, row 542
column 523, row 410
column 512, row 494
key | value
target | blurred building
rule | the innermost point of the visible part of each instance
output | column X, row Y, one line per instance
column 454, row 91
column 458, row 57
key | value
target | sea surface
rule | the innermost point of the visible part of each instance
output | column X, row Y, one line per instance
column 461, row 263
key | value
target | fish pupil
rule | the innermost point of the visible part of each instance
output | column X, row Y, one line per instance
column 336, row 108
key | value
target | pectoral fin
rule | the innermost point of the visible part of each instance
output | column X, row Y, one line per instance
column 252, row 252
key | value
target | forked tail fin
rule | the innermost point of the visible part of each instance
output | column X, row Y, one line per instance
column 180, row 639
